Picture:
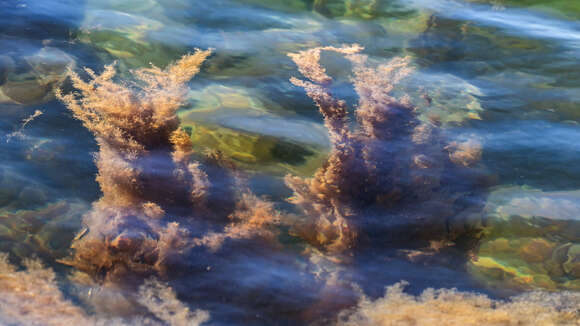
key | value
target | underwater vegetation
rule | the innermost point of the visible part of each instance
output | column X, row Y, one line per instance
column 155, row 194
column 392, row 175
column 453, row 308
column 365, row 9
column 387, row 164
column 45, row 232
column 33, row 297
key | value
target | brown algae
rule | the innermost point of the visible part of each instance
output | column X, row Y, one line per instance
column 147, row 175
column 161, row 200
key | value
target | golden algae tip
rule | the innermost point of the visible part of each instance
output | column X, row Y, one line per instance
column 33, row 297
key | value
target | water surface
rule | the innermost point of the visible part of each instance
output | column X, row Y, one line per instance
column 505, row 72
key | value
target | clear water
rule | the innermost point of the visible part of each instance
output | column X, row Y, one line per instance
column 504, row 71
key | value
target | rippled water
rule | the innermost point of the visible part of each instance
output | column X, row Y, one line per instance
column 504, row 72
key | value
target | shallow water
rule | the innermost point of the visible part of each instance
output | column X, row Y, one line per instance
column 504, row 72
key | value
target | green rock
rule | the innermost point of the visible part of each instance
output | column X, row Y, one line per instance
column 25, row 92
column 452, row 99
column 362, row 9
column 43, row 232
column 234, row 121
column 563, row 8
column 123, row 36
column 531, row 240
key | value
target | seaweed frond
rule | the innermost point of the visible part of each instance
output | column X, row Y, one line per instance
column 253, row 217
column 448, row 307
column 155, row 192
column 388, row 158
column 162, row 301
column 32, row 297
column 465, row 153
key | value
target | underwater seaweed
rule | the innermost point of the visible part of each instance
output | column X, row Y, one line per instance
column 390, row 161
column 449, row 307
column 33, row 297
column 161, row 300
column 154, row 192
column 365, row 9
column 251, row 218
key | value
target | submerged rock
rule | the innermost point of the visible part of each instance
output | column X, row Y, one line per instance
column 33, row 79
column 123, row 36
column 532, row 240
column 452, row 99
column 45, row 232
column 236, row 122
column 12, row 188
